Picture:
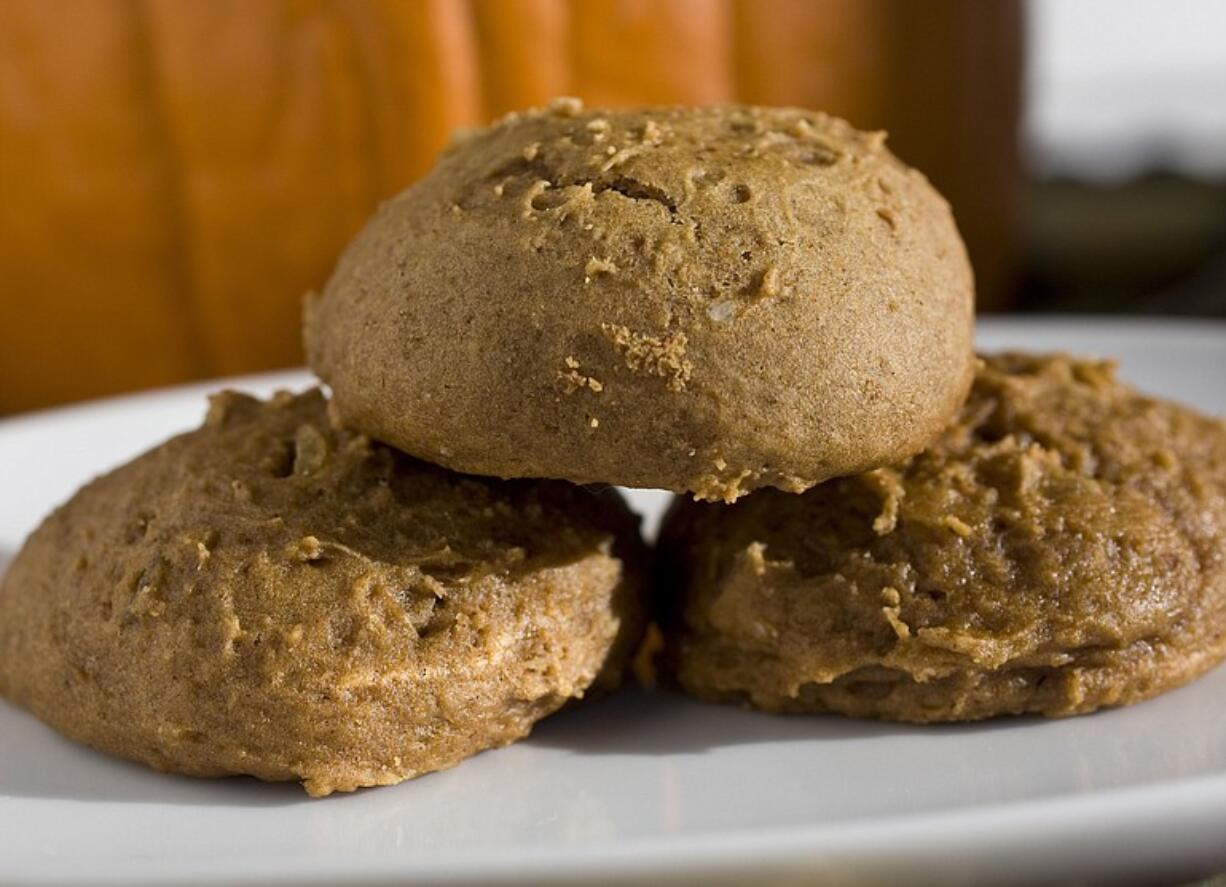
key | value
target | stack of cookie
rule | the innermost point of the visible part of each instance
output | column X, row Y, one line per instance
column 708, row 301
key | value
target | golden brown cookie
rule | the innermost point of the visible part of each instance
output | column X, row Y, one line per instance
column 708, row 300
column 267, row 595
column 1061, row 548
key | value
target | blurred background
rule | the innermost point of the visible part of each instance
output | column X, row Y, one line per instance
column 176, row 174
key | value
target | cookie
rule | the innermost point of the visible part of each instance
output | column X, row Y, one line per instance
column 1061, row 548
column 267, row 595
column 703, row 300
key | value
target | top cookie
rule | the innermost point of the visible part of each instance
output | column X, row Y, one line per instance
column 703, row 300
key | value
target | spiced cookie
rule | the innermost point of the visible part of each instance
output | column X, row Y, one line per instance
column 704, row 300
column 1061, row 548
column 270, row 596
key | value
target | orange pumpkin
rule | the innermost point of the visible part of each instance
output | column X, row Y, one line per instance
column 174, row 175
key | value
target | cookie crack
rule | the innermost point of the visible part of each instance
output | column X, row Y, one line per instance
column 635, row 189
column 628, row 187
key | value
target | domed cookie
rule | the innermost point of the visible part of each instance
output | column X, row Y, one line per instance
column 703, row 300
column 1061, row 548
column 266, row 595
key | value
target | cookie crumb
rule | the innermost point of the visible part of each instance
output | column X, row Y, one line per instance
column 307, row 548
column 959, row 526
column 597, row 267
column 891, row 609
column 565, row 106
column 572, row 380
column 310, row 450
column 886, row 483
column 768, row 286
column 662, row 356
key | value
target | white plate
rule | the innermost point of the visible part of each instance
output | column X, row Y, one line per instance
column 645, row 788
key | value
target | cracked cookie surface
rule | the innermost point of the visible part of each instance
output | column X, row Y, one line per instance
column 762, row 297
column 268, row 595
column 1061, row 548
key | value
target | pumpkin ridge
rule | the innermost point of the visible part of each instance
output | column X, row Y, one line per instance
column 186, row 295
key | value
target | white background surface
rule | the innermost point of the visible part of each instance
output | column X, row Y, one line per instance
column 1117, row 88
column 648, row 789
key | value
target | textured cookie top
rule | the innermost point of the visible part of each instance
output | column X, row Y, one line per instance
column 270, row 595
column 1063, row 520
column 705, row 300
